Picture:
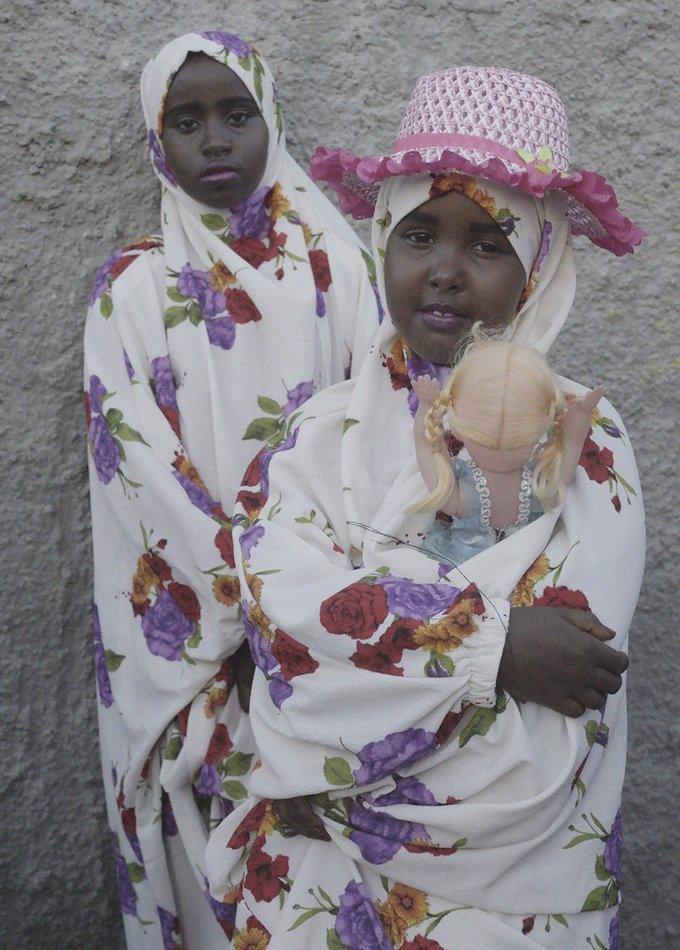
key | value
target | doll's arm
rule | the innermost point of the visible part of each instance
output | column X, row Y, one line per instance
column 575, row 426
column 427, row 390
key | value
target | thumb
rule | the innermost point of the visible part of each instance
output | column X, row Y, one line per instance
column 586, row 621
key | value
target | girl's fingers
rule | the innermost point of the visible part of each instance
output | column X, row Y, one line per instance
column 616, row 661
column 607, row 682
column 571, row 708
column 586, row 621
column 590, row 698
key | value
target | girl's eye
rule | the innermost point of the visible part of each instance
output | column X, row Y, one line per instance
column 186, row 125
column 238, row 119
column 419, row 238
column 488, row 247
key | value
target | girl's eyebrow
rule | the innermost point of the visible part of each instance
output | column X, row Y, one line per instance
column 421, row 217
column 240, row 102
column 484, row 227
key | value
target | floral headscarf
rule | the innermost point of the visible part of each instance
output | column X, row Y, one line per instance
column 537, row 229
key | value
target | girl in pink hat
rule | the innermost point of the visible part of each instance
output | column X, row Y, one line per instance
column 449, row 738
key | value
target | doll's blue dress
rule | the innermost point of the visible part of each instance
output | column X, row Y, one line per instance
column 467, row 535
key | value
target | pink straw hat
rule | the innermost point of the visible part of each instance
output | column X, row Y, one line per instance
column 487, row 123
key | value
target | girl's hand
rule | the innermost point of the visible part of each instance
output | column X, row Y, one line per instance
column 297, row 817
column 244, row 670
column 554, row 656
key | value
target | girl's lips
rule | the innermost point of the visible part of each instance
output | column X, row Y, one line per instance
column 222, row 175
column 443, row 321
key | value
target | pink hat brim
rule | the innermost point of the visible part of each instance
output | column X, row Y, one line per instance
column 592, row 205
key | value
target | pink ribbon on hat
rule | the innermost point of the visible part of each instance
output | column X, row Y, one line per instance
column 455, row 140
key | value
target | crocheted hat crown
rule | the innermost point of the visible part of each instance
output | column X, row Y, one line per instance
column 488, row 123
column 517, row 111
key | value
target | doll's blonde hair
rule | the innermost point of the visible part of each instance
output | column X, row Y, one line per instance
column 501, row 395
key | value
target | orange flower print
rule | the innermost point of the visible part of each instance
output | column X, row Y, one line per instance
column 523, row 594
column 251, row 938
column 276, row 202
column 142, row 582
column 215, row 698
column 443, row 184
column 221, row 277
column 259, row 619
column 254, row 584
column 226, row 590
column 187, row 468
column 404, row 907
column 449, row 631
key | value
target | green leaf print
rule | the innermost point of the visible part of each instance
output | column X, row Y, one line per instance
column 262, row 429
column 194, row 313
column 237, row 763
column 113, row 417
column 214, row 222
column 173, row 748
column 234, row 790
column 482, row 720
column 136, row 872
column 269, row 405
column 124, row 431
column 174, row 316
column 113, row 660
column 348, row 423
column 336, row 771
column 601, row 873
column 174, row 294
column 106, row 306
column 600, row 898
column 195, row 638
column 333, row 942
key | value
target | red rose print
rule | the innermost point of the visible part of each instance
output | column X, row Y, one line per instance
column 183, row 719
column 159, row 566
column 264, row 873
column 596, row 461
column 434, row 849
column 471, row 592
column 400, row 635
column 252, row 473
column 356, row 611
column 380, row 657
column 421, row 943
column 224, row 543
column 294, row 657
column 616, row 502
column 222, row 675
column 186, row 600
column 120, row 265
column 448, row 724
column 528, row 924
column 320, row 269
column 241, row 308
column 562, row 597
column 453, row 444
column 173, row 418
column 249, row 824
column 251, row 501
column 88, row 410
column 250, row 249
column 129, row 821
column 220, row 745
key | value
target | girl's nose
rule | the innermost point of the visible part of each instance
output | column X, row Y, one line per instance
column 217, row 140
column 446, row 272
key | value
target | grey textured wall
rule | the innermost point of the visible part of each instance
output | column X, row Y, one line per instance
column 77, row 183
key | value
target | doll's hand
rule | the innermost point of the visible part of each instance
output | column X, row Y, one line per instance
column 426, row 389
column 554, row 656
column 584, row 405
column 244, row 670
column 297, row 817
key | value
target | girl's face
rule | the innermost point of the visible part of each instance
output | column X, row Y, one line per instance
column 215, row 139
column 447, row 265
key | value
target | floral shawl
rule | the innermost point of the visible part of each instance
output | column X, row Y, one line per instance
column 458, row 817
column 201, row 345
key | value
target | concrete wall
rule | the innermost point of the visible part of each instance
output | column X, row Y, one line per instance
column 77, row 184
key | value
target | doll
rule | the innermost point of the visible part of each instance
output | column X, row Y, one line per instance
column 522, row 437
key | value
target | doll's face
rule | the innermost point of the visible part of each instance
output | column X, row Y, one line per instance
column 214, row 137
column 447, row 265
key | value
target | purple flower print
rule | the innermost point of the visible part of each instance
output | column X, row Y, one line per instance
column 104, row 450
column 408, row 791
column 544, row 246
column 168, row 823
column 396, row 751
column 260, row 648
column 381, row 309
column 357, row 924
column 250, row 539
column 97, row 393
column 101, row 278
column 320, row 304
column 405, row 598
column 612, row 430
column 169, row 927
column 103, row 681
column 416, row 367
column 208, row 781
column 221, row 331
column 229, row 41
column 612, row 849
column 166, row 628
column 128, row 365
column 128, row 898
column 164, row 382
column 223, row 911
column 268, row 456
column 196, row 283
column 614, row 932
column 158, row 156
column 197, row 496
column 435, row 669
column 379, row 836
column 279, row 690
column 297, row 396
column 413, row 402
column 249, row 218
